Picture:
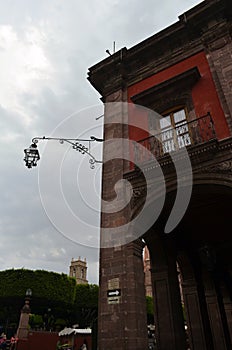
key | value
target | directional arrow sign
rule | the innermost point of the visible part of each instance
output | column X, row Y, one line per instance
column 114, row 293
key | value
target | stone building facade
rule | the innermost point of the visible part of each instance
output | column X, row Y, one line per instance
column 147, row 272
column 78, row 270
column 184, row 75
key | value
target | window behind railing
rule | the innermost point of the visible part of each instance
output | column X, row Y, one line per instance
column 175, row 132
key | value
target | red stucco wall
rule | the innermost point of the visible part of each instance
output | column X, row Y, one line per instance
column 47, row 341
column 204, row 93
column 42, row 340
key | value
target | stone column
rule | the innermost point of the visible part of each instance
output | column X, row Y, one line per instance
column 214, row 312
column 228, row 310
column 192, row 306
column 218, row 52
column 122, row 304
column 168, row 313
column 122, row 318
column 211, row 275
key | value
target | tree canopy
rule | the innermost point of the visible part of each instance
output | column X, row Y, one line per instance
column 56, row 298
column 44, row 284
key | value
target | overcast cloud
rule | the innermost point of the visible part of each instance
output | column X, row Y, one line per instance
column 46, row 48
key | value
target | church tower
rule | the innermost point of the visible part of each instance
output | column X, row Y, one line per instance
column 78, row 270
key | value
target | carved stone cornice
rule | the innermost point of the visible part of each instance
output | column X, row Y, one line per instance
column 109, row 75
column 139, row 191
column 220, row 168
column 197, row 29
column 137, row 247
column 138, row 195
column 217, row 36
column 213, row 157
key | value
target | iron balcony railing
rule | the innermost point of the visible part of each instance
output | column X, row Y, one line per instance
column 170, row 139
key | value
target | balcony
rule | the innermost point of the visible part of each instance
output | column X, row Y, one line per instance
column 170, row 139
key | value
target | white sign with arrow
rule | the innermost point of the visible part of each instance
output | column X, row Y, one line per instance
column 111, row 293
column 113, row 296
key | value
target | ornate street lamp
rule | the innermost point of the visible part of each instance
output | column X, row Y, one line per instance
column 32, row 154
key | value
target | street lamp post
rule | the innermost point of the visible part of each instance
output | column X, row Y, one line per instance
column 22, row 332
column 48, row 319
column 32, row 154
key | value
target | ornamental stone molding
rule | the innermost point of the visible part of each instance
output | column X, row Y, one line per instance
column 210, row 162
column 221, row 168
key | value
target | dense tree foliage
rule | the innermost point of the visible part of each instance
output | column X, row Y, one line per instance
column 150, row 310
column 44, row 284
column 56, row 300
column 86, row 304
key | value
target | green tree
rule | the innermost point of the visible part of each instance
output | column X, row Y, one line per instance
column 51, row 291
column 56, row 300
column 86, row 304
column 36, row 321
column 150, row 310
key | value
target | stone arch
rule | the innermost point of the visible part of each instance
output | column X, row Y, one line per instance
column 208, row 295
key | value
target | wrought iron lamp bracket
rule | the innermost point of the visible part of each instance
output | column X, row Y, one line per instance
column 75, row 143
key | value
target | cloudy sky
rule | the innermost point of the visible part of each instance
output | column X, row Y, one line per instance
column 50, row 214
